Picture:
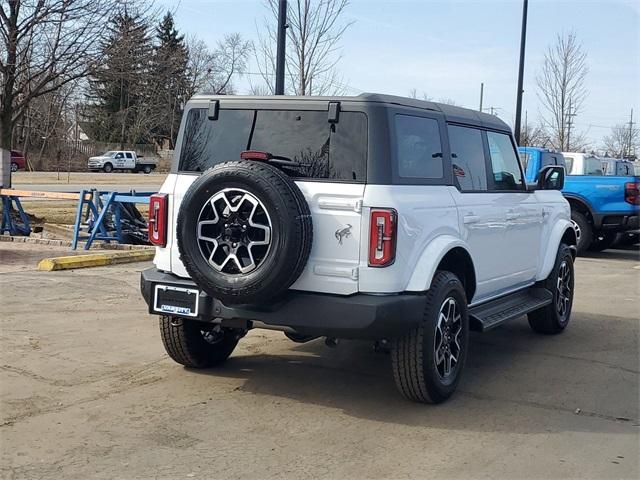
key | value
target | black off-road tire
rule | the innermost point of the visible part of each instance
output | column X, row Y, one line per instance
column 107, row 168
column 585, row 237
column 291, row 232
column 413, row 356
column 550, row 320
column 602, row 241
column 185, row 342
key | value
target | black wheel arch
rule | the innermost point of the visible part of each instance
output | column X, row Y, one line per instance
column 459, row 262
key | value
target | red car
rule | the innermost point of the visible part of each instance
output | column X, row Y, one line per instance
column 18, row 161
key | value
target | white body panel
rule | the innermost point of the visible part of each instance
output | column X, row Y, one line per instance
column 512, row 237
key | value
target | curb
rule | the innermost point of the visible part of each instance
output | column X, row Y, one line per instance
column 94, row 260
column 66, row 243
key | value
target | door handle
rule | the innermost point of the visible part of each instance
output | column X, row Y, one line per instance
column 470, row 219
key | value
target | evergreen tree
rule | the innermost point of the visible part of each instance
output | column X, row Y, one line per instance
column 169, row 79
column 120, row 84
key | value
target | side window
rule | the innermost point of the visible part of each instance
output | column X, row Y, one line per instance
column 504, row 162
column 418, row 147
column 568, row 164
column 467, row 157
column 119, row 155
column 129, row 155
column 593, row 166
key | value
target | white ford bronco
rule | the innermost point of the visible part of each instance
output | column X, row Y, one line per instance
column 369, row 217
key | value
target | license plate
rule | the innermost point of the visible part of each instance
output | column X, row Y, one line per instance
column 176, row 300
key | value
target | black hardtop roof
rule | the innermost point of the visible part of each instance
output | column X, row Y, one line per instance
column 452, row 113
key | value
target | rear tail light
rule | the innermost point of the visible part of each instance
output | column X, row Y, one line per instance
column 382, row 240
column 632, row 193
column 158, row 219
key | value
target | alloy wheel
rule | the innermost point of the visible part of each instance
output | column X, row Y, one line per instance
column 563, row 289
column 234, row 231
column 447, row 347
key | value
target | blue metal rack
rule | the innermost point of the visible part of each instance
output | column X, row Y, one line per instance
column 9, row 223
column 103, row 215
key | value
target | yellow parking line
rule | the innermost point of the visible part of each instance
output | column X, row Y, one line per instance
column 94, row 260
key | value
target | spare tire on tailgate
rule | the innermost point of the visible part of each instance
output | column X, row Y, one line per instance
column 244, row 232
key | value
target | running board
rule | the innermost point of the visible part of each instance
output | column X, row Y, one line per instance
column 491, row 314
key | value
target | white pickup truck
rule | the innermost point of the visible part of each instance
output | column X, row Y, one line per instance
column 121, row 160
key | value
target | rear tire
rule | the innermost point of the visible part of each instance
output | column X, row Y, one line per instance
column 196, row 344
column 584, row 231
column 555, row 317
column 420, row 357
column 146, row 169
column 14, row 167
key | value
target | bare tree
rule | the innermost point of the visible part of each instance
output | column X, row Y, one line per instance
column 533, row 136
column 562, row 91
column 623, row 141
column 213, row 71
column 313, row 36
column 45, row 45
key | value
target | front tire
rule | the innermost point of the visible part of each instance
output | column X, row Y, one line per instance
column 196, row 344
column 108, row 168
column 555, row 317
column 428, row 360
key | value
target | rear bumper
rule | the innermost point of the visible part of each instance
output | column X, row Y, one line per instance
column 354, row 316
column 616, row 221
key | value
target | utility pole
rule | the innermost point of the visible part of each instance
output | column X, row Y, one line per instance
column 282, row 38
column 523, row 38
column 481, row 93
column 631, row 122
column 569, row 123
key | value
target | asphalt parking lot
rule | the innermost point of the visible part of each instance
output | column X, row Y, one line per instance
column 86, row 391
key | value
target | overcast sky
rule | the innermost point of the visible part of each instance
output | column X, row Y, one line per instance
column 446, row 48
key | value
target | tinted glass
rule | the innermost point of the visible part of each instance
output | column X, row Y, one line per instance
column 128, row 155
column 467, row 157
column 593, row 166
column 323, row 150
column 418, row 147
column 504, row 162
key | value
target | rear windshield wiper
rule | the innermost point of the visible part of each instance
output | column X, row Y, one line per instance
column 269, row 157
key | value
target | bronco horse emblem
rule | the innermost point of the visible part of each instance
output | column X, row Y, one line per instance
column 342, row 233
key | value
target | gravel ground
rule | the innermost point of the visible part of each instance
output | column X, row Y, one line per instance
column 86, row 391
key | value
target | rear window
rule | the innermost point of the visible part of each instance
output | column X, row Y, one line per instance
column 328, row 151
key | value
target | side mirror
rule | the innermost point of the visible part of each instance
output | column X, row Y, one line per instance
column 551, row 177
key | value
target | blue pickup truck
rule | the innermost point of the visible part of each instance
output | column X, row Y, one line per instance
column 602, row 206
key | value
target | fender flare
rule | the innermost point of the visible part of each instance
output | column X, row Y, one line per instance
column 559, row 229
column 581, row 199
column 429, row 260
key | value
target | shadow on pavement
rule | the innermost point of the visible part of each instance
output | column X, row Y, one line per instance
column 510, row 369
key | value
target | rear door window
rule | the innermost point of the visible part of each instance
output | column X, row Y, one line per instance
column 324, row 150
column 504, row 162
column 467, row 157
column 418, row 147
